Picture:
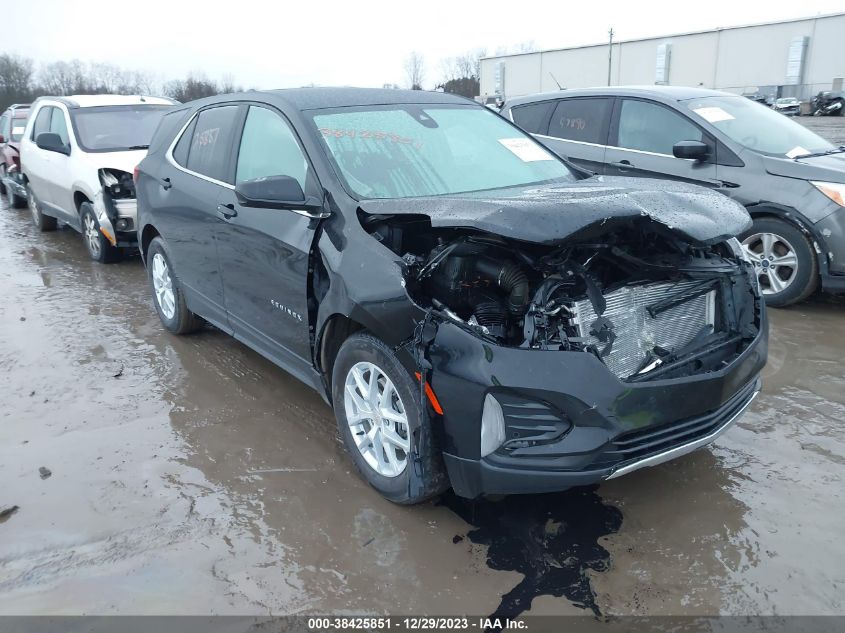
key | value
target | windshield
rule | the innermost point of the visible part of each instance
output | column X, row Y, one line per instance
column 18, row 126
column 116, row 128
column 419, row 150
column 757, row 127
column 787, row 101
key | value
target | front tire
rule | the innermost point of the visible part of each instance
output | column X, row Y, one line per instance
column 382, row 423
column 97, row 244
column 168, row 298
column 42, row 222
column 784, row 259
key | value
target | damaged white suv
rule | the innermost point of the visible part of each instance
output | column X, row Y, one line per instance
column 77, row 158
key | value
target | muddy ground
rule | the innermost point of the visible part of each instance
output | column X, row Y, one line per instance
column 190, row 476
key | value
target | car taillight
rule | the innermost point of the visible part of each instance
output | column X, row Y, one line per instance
column 135, row 175
column 16, row 161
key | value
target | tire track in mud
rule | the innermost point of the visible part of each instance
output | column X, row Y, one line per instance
column 551, row 539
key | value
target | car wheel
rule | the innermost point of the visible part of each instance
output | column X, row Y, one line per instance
column 2, row 181
column 382, row 423
column 98, row 245
column 786, row 265
column 168, row 298
column 42, row 222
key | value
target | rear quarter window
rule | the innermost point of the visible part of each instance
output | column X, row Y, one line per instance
column 533, row 117
column 583, row 120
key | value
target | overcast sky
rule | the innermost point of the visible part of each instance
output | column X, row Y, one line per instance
column 278, row 44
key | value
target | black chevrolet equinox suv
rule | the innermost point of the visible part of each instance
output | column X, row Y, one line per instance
column 479, row 313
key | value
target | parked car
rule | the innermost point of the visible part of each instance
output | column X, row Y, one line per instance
column 790, row 106
column 12, row 124
column 77, row 156
column 478, row 313
column 790, row 180
column 829, row 104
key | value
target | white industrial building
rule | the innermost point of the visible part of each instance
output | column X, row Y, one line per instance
column 788, row 58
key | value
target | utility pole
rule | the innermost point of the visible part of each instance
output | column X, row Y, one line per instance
column 609, row 55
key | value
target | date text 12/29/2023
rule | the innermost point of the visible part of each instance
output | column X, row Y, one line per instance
column 416, row 623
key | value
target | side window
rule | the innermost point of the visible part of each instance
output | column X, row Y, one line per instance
column 42, row 122
column 650, row 127
column 58, row 125
column 4, row 123
column 180, row 152
column 532, row 117
column 211, row 142
column 269, row 148
column 583, row 120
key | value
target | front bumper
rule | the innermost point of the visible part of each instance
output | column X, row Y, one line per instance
column 15, row 182
column 118, row 220
column 580, row 423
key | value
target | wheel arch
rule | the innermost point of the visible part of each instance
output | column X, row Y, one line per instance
column 148, row 234
column 794, row 217
column 336, row 329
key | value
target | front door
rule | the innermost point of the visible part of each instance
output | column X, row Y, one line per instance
column 264, row 252
column 642, row 136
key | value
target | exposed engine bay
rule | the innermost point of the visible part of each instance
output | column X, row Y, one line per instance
column 119, row 198
column 645, row 302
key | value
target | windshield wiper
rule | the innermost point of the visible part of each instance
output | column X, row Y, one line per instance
column 138, row 147
column 835, row 150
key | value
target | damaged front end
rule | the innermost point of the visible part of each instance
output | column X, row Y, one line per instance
column 116, row 207
column 561, row 363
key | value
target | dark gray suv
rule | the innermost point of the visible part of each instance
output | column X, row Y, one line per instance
column 790, row 180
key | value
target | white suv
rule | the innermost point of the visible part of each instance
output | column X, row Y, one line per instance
column 77, row 158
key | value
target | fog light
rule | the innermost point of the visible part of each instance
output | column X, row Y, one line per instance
column 492, row 425
column 123, row 224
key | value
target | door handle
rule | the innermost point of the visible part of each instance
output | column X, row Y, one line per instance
column 623, row 165
column 226, row 211
column 165, row 183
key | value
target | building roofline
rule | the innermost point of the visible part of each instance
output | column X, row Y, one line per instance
column 663, row 37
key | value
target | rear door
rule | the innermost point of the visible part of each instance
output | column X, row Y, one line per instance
column 264, row 252
column 642, row 135
column 577, row 130
column 194, row 174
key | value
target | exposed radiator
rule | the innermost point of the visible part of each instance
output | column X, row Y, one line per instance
column 636, row 331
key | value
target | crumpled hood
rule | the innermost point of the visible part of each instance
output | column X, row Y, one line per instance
column 548, row 213
column 830, row 168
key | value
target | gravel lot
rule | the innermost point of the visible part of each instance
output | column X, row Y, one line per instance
column 190, row 476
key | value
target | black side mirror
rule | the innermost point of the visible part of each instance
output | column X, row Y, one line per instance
column 277, row 192
column 695, row 150
column 52, row 143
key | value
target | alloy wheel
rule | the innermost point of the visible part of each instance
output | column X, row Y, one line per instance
column 92, row 236
column 163, row 286
column 377, row 419
column 775, row 261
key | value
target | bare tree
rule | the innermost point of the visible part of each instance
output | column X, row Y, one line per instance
column 525, row 47
column 462, row 74
column 415, row 70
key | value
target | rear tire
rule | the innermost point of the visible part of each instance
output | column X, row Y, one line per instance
column 168, row 298
column 771, row 243
column 42, row 222
column 381, row 445
column 97, row 244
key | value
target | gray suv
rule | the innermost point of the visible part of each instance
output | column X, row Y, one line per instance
column 790, row 180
